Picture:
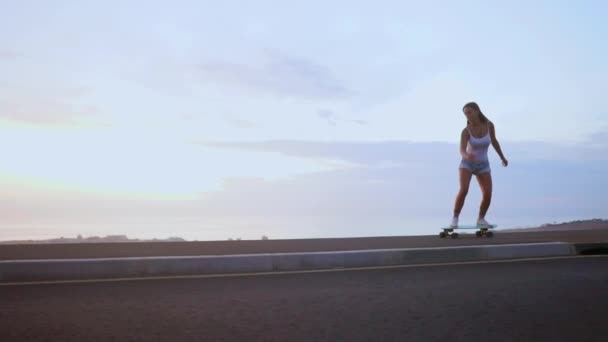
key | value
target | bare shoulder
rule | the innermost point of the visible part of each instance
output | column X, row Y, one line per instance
column 490, row 124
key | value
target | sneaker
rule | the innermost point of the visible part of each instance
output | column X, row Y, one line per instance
column 483, row 223
column 454, row 223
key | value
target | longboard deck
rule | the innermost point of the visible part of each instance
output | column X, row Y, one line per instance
column 480, row 230
column 471, row 226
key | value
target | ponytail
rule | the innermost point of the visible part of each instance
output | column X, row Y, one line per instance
column 483, row 117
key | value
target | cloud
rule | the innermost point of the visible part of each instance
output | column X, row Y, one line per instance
column 272, row 73
column 359, row 122
column 599, row 139
column 43, row 111
column 366, row 197
column 278, row 74
column 403, row 180
column 44, row 106
column 325, row 114
column 363, row 153
column 399, row 151
column 239, row 122
column 8, row 54
column 332, row 119
column 328, row 116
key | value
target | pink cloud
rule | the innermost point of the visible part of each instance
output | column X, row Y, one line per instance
column 56, row 107
column 8, row 54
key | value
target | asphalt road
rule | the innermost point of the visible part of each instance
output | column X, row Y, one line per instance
column 140, row 249
column 546, row 300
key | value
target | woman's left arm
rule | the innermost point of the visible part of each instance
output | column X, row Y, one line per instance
column 496, row 145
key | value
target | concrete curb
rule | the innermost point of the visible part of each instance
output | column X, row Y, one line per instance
column 593, row 248
column 71, row 269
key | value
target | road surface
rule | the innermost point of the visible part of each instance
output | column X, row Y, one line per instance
column 140, row 249
column 541, row 300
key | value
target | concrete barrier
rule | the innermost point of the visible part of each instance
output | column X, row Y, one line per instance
column 529, row 250
column 71, row 269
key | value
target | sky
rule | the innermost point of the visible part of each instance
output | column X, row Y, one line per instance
column 210, row 120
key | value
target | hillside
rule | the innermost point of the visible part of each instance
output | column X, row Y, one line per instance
column 92, row 239
column 572, row 225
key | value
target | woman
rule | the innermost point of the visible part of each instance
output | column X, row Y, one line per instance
column 474, row 142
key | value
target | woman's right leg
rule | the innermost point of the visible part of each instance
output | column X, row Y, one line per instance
column 465, row 180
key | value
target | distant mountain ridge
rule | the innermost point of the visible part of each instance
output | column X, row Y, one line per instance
column 572, row 225
column 91, row 239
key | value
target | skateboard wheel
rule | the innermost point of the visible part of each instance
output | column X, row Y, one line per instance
column 478, row 233
column 454, row 235
column 489, row 234
column 442, row 235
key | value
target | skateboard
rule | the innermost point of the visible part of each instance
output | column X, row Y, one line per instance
column 481, row 231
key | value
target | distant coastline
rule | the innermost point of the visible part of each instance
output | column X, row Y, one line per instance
column 91, row 239
column 571, row 225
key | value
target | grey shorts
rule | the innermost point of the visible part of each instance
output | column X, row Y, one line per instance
column 476, row 167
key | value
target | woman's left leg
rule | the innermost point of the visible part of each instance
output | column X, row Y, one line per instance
column 485, row 183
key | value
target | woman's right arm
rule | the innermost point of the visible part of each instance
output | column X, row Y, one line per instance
column 464, row 139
